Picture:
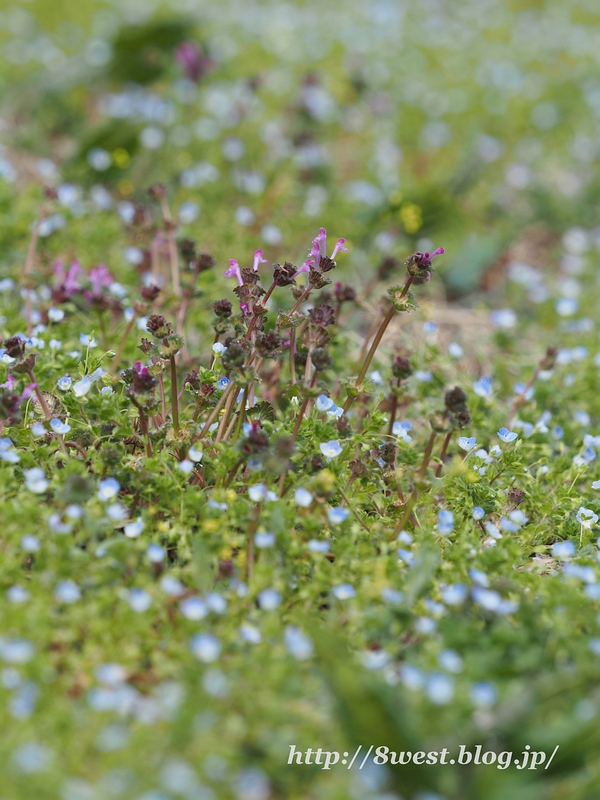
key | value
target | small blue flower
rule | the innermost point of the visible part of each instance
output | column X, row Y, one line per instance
column 467, row 443
column 64, row 383
column 478, row 513
column 557, row 433
column 345, row 591
column 82, row 387
column 507, row 436
column 262, row 540
column 59, row 427
column 55, row 314
column 223, row 383
column 303, row 497
column 483, row 387
column 338, row 515
column 455, row 594
column 324, row 403
column 269, row 599
column 586, row 517
column 563, row 550
column 401, row 429
column 445, row 522
column 108, row 488
column 330, row 449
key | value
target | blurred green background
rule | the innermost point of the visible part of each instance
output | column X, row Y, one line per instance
column 399, row 125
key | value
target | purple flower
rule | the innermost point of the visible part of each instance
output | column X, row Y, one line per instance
column 306, row 267
column 100, row 278
column 339, row 248
column 258, row 259
column 67, row 280
column 234, row 271
column 192, row 60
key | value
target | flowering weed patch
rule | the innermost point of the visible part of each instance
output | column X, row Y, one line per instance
column 215, row 507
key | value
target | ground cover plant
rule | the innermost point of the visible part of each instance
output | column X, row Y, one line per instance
column 262, row 483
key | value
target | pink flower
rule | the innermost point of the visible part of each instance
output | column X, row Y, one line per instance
column 100, row 278
column 192, row 60
column 339, row 248
column 234, row 271
column 322, row 237
column 258, row 259
column 67, row 280
column 306, row 267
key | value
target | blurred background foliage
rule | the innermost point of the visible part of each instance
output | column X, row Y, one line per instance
column 402, row 124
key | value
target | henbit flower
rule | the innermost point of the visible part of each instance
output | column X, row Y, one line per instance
column 234, row 271
column 258, row 259
column 100, row 278
column 339, row 248
column 506, row 435
column 586, row 517
column 306, row 267
column 191, row 59
column 67, row 281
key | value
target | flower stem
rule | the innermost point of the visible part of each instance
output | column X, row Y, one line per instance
column 174, row 396
column 440, row 466
column 144, row 427
column 117, row 359
column 215, row 412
